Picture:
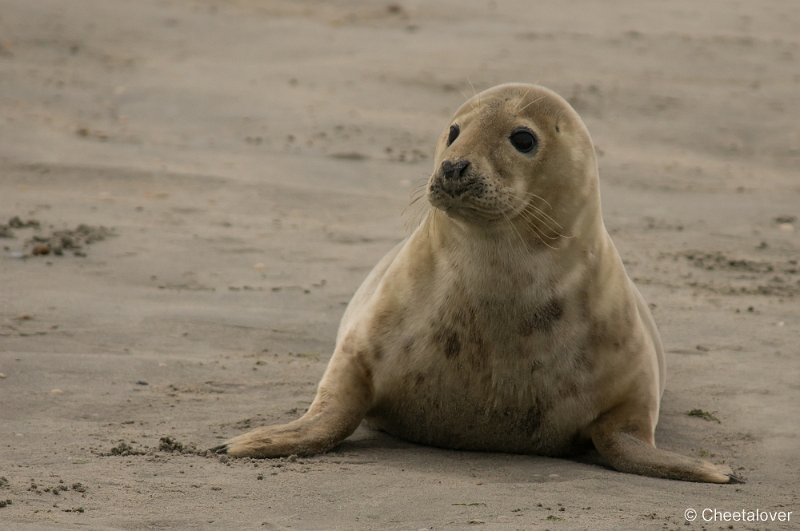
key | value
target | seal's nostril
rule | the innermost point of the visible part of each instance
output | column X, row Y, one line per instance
column 454, row 170
column 461, row 166
column 447, row 169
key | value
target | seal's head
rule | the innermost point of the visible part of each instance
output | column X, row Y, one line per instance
column 514, row 151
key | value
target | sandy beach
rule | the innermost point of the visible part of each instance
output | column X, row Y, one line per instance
column 191, row 191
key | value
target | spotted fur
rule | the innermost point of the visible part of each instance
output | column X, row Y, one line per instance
column 506, row 321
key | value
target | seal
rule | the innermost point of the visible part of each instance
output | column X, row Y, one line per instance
column 506, row 320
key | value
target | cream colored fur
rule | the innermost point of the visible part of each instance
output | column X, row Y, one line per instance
column 506, row 321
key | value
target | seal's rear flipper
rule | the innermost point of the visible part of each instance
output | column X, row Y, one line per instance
column 627, row 452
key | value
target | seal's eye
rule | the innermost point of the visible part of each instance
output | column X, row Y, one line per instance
column 523, row 140
column 454, row 130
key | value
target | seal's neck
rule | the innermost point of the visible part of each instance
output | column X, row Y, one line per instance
column 532, row 232
column 506, row 257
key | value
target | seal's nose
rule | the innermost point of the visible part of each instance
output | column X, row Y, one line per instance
column 454, row 170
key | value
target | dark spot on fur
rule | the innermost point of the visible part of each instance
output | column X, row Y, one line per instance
column 542, row 319
column 448, row 339
column 452, row 346
column 420, row 378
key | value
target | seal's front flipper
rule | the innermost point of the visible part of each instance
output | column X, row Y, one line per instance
column 627, row 451
column 343, row 398
column 309, row 435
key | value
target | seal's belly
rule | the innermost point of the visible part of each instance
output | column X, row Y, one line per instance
column 514, row 402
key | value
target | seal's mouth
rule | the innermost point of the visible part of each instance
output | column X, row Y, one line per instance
column 470, row 213
column 449, row 192
column 463, row 199
column 470, row 184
